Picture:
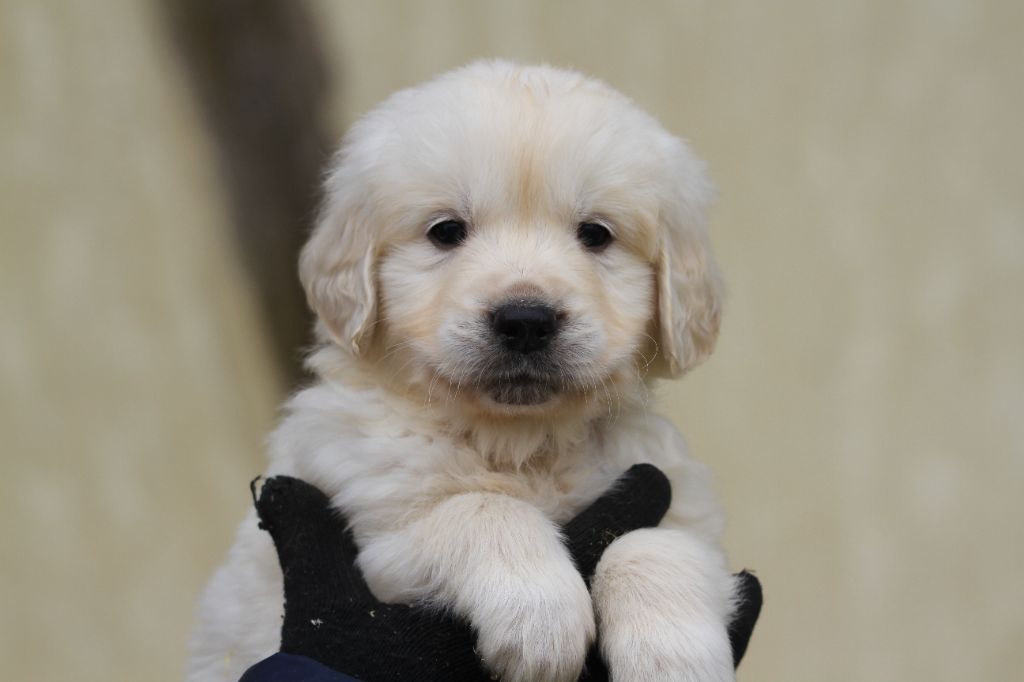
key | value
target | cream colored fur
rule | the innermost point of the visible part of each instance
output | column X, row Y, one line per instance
column 455, row 498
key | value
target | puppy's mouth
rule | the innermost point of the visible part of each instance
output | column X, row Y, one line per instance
column 520, row 390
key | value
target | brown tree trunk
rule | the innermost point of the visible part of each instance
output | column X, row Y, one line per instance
column 260, row 80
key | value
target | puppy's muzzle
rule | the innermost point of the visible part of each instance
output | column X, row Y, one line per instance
column 525, row 327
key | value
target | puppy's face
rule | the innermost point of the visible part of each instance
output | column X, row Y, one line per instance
column 512, row 307
column 516, row 240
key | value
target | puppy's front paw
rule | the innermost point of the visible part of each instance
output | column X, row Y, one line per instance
column 664, row 600
column 669, row 652
column 539, row 633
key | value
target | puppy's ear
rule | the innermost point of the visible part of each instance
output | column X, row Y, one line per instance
column 337, row 263
column 689, row 283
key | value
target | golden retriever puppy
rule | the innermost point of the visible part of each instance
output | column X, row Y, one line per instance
column 506, row 256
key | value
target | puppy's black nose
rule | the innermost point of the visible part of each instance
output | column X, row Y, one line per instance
column 525, row 328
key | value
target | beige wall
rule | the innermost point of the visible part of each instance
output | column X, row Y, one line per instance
column 863, row 412
column 135, row 388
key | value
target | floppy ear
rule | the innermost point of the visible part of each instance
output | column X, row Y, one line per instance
column 689, row 283
column 337, row 264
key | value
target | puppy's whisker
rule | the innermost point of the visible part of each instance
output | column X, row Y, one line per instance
column 608, row 397
column 394, row 348
column 641, row 385
column 398, row 370
column 474, row 367
column 457, row 373
column 430, row 388
column 654, row 353
column 378, row 320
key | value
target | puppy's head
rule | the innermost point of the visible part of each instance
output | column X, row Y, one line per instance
column 521, row 239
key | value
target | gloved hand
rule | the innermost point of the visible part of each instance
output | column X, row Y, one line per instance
column 332, row 617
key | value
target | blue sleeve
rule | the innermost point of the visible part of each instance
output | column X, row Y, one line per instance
column 288, row 668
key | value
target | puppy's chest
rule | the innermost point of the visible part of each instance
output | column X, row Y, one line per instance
column 558, row 484
column 560, row 495
column 378, row 464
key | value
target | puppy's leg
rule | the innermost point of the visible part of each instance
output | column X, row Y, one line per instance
column 663, row 602
column 239, row 614
column 502, row 565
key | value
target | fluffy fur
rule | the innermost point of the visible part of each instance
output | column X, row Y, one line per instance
column 453, row 490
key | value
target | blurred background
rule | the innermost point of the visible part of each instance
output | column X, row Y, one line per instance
column 864, row 411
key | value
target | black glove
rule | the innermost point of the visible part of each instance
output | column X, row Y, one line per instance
column 331, row 616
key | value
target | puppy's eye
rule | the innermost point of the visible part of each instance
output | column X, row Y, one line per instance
column 447, row 234
column 594, row 236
